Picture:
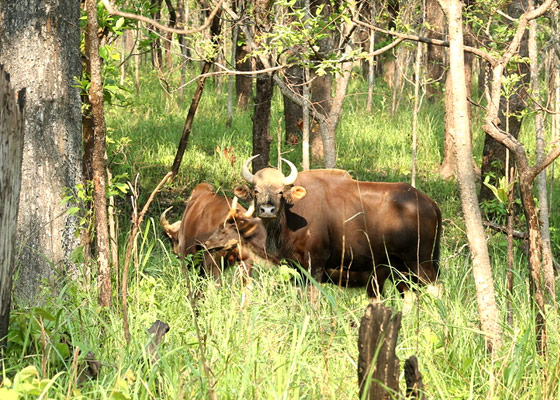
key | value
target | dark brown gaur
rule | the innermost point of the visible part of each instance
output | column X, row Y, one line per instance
column 324, row 220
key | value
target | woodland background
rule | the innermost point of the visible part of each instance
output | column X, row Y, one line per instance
column 116, row 110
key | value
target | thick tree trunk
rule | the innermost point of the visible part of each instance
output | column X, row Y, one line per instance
column 99, row 158
column 11, row 152
column 484, row 283
column 40, row 48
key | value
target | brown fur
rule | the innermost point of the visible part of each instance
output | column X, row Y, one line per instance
column 371, row 228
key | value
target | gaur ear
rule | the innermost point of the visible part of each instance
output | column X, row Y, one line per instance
column 294, row 194
column 243, row 192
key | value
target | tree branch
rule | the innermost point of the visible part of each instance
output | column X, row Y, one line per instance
column 437, row 42
column 113, row 11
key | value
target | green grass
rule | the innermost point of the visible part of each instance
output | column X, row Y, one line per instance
column 279, row 346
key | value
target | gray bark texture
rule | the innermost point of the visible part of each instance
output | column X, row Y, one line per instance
column 39, row 47
column 11, row 150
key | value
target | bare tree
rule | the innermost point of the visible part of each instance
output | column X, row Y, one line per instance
column 40, row 49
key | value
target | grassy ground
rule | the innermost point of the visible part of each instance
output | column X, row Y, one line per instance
column 279, row 346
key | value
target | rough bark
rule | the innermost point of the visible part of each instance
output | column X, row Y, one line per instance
column 377, row 363
column 99, row 161
column 39, row 47
column 321, row 87
column 484, row 283
column 11, row 152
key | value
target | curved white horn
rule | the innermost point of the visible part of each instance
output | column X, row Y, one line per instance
column 245, row 173
column 250, row 211
column 234, row 203
column 293, row 173
column 163, row 220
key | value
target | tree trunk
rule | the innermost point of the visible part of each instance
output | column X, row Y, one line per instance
column 293, row 113
column 243, row 83
column 447, row 167
column 169, row 35
column 156, row 43
column 484, row 283
column 99, row 157
column 263, row 96
column 494, row 153
column 11, row 151
column 40, row 48
column 540, row 149
column 261, row 120
column 436, row 63
column 215, row 32
column 182, row 15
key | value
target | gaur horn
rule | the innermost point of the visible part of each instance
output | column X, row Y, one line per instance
column 245, row 173
column 293, row 173
column 250, row 211
column 163, row 220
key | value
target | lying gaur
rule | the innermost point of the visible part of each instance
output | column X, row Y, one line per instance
column 204, row 213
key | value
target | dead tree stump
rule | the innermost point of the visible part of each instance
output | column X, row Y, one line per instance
column 378, row 365
column 11, row 152
column 413, row 378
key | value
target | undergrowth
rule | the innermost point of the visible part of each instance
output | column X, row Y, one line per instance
column 268, row 340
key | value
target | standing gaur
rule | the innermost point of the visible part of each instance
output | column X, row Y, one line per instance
column 326, row 221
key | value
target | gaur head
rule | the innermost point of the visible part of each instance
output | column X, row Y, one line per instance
column 269, row 187
column 237, row 227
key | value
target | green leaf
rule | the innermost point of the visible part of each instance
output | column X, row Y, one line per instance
column 72, row 210
column 119, row 23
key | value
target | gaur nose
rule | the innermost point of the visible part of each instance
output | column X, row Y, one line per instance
column 266, row 209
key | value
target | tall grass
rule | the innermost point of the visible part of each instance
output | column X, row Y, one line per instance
column 279, row 345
